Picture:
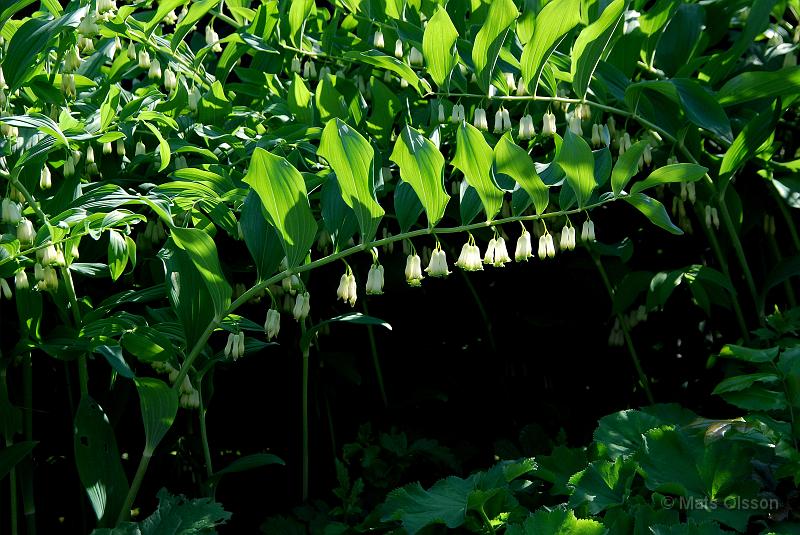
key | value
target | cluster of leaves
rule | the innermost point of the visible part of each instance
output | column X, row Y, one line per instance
column 660, row 469
column 296, row 127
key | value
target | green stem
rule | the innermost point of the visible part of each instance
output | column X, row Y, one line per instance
column 12, row 496
column 125, row 512
column 481, row 310
column 305, row 425
column 645, row 383
column 28, row 502
column 787, row 286
column 204, row 431
column 373, row 346
column 83, row 370
column 787, row 216
column 486, row 520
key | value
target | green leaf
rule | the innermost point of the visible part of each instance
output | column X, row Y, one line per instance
column 490, row 38
column 38, row 122
column 557, row 521
column 445, row 503
column 164, row 7
column 283, row 192
column 159, row 406
column 214, row 107
column 261, row 238
column 147, row 344
column 627, row 165
column 602, row 485
column 742, row 382
column 591, row 43
column 34, row 36
column 352, row 159
column 298, row 13
column 474, row 158
column 553, row 23
column 163, row 146
column 202, row 252
column 747, row 144
column 558, row 467
column 679, row 172
column 243, row 464
column 196, row 12
column 407, row 206
column 390, row 63
column 108, row 110
column 748, row 354
column 299, row 100
column 117, row 254
column 654, row 211
column 13, row 454
column 98, row 462
column 113, row 354
column 620, row 434
column 512, row 160
column 438, row 45
column 422, row 166
column 577, row 162
column 753, row 85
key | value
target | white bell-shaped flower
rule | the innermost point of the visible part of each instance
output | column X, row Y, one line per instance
column 498, row 121
column 296, row 67
column 575, row 125
column 5, row 289
column 526, row 129
column 21, row 280
column 413, row 270
column 441, row 115
column 470, row 257
column 587, row 232
column 479, row 119
column 272, row 325
column 496, row 252
column 438, row 264
column 524, row 249
column 45, row 178
column 144, row 59
column 11, row 212
column 377, row 40
column 548, row 124
column 155, row 70
column 597, row 140
column 140, row 149
column 398, row 49
column 415, row 58
column 25, row 231
column 375, row 280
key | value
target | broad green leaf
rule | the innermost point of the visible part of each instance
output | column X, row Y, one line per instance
column 164, row 7
column 748, row 143
column 438, row 46
column 422, row 166
column 700, row 106
column 627, row 165
column 283, row 192
column 407, row 206
column 147, row 344
column 12, row 9
column 39, row 122
column 352, row 159
column 98, row 462
column 390, row 63
column 159, row 405
column 261, row 238
column 748, row 354
column 577, row 162
column 558, row 467
column 339, row 219
column 202, row 252
column 117, row 254
column 512, row 160
column 602, row 485
column 445, row 503
column 621, row 433
column 330, row 102
column 113, row 354
column 679, row 172
column 299, row 100
column 108, row 109
column 490, row 38
column 753, row 85
column 654, row 211
column 196, row 12
column 354, row 318
column 742, row 382
column 13, row 454
column 556, row 521
column 592, row 43
column 163, row 146
column 298, row 13
column 474, row 158
column 34, row 36
column 553, row 23
column 214, row 107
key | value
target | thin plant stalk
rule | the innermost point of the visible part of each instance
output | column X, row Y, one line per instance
column 373, row 346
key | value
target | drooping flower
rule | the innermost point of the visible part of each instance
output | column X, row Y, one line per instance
column 155, row 70
column 526, row 129
column 438, row 264
column 413, row 270
column 546, row 246
column 567, row 242
column 309, row 70
column 5, row 289
column 470, row 257
column 45, row 179
column 498, row 121
column 170, row 80
column 596, row 139
column 21, row 280
column 398, row 49
column 375, row 280
column 25, row 231
column 377, row 40
column 587, row 232
column 144, row 59
column 11, row 212
column 496, row 252
column 140, row 149
column 415, row 58
column 548, row 124
column 575, row 125
column 523, row 250
column 273, row 324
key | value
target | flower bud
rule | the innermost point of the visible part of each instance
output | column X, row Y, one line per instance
column 11, row 212
column 575, row 125
column 309, row 70
column 45, row 180
column 155, row 70
column 170, row 81
column 510, row 82
column 120, row 148
column 377, row 40
column 2, row 80
column 301, row 307
column 5, row 289
column 441, row 113
column 415, row 58
column 398, row 49
column 194, row 98
column 72, row 60
column 498, row 121
column 131, row 51
column 140, row 149
column 229, row 346
column 296, row 68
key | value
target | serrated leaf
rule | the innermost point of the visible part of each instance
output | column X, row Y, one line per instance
column 283, row 193
column 352, row 159
column 438, row 45
column 422, row 167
